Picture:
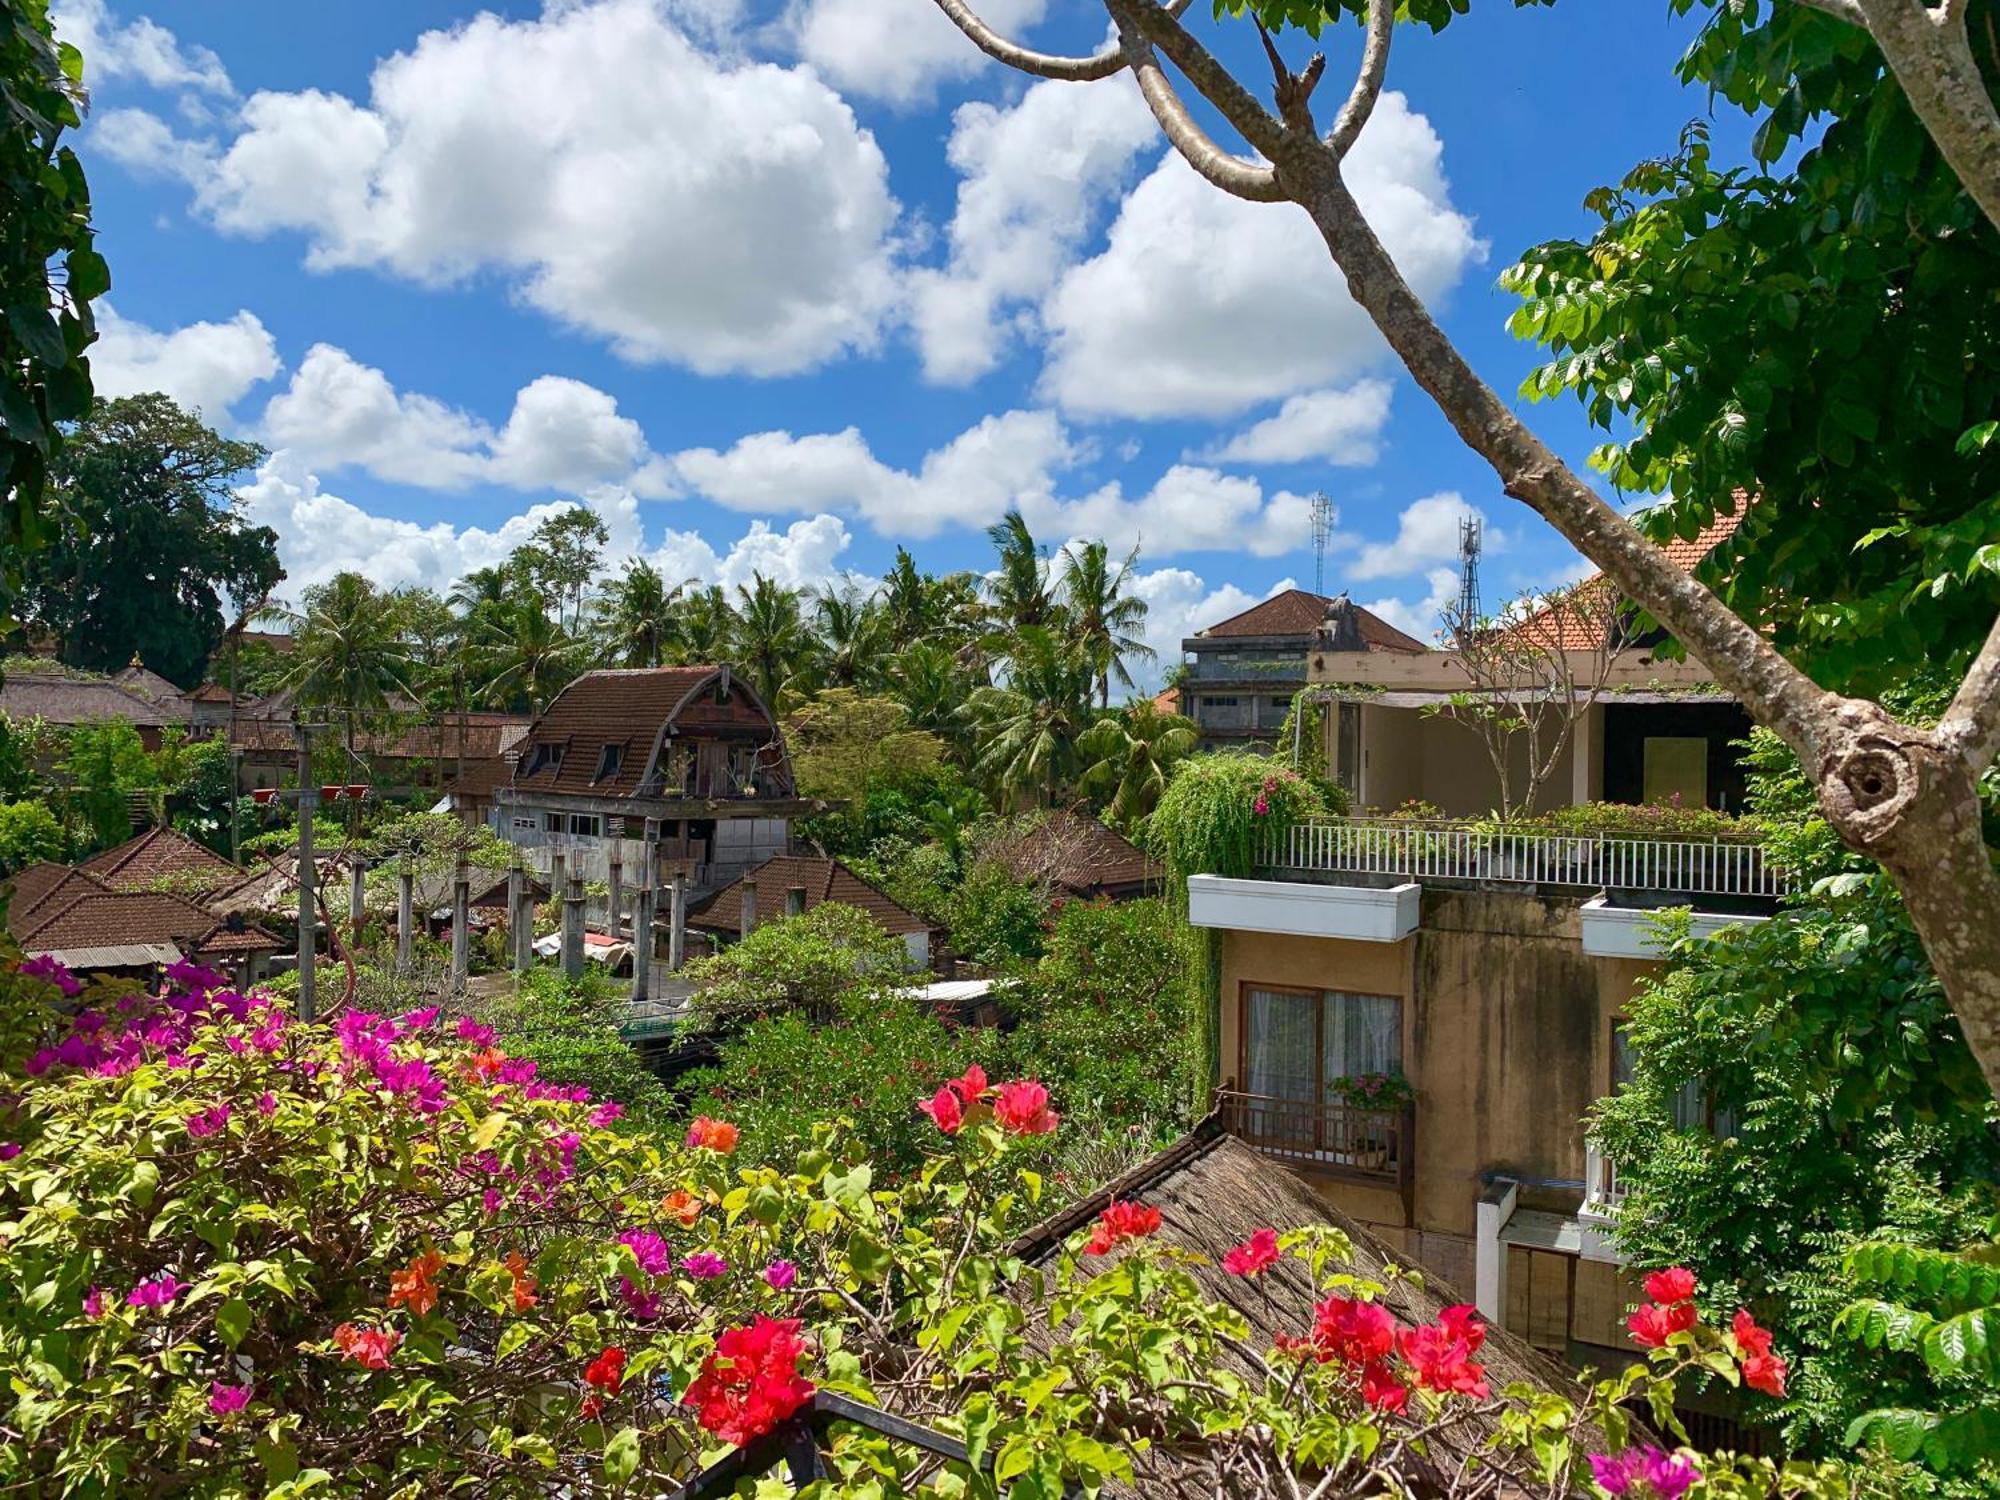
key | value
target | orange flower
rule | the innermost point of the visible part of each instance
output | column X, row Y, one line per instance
column 416, row 1285
column 716, row 1135
column 524, row 1284
column 371, row 1348
column 682, row 1205
column 486, row 1062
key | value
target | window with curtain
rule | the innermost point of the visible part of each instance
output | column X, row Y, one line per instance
column 1296, row 1042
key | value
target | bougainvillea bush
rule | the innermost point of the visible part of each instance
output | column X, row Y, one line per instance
column 379, row 1256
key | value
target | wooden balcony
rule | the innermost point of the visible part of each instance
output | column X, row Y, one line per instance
column 1373, row 1146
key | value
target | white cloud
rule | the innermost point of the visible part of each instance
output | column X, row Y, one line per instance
column 140, row 49
column 1032, row 178
column 1204, row 305
column 1188, row 509
column 561, row 435
column 897, row 50
column 684, row 205
column 1179, row 604
column 1330, row 426
column 146, row 145
column 1426, row 533
column 320, row 534
column 206, row 366
column 1424, row 618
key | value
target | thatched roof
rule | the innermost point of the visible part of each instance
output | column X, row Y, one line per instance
column 1213, row 1192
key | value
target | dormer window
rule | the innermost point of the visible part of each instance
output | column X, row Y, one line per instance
column 544, row 757
column 609, row 759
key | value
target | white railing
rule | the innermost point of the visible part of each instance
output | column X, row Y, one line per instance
column 1603, row 1193
column 1720, row 865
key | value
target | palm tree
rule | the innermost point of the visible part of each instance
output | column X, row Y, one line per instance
column 1020, row 587
column 772, row 642
column 853, row 636
column 932, row 684
column 530, row 657
column 348, row 649
column 1029, row 726
column 1104, row 618
column 1131, row 755
column 634, row 613
column 701, row 630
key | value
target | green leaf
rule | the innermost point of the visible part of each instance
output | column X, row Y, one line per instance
column 621, row 1455
column 232, row 1321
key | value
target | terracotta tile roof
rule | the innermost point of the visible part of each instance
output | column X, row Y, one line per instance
column 111, row 919
column 73, row 700
column 436, row 741
column 1578, row 629
column 1294, row 612
column 823, row 880
column 212, row 692
column 156, row 854
column 223, row 940
column 1168, row 702
column 23, row 916
column 27, row 886
column 1076, row 854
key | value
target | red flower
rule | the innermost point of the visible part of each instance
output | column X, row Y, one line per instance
column 370, row 1348
column 945, row 1109
column 415, row 1286
column 1356, row 1333
column 1675, row 1284
column 1442, row 1361
column 716, row 1135
column 606, row 1372
column 1749, row 1337
column 751, row 1382
column 1462, row 1321
column 1258, row 1253
column 970, row 1087
column 1652, row 1325
column 1381, row 1389
column 1023, row 1107
column 681, row 1206
column 1119, row 1223
column 1762, row 1370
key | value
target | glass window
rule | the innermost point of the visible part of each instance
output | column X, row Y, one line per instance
column 585, row 825
column 1621, row 1056
column 608, row 761
column 1296, row 1042
column 1676, row 770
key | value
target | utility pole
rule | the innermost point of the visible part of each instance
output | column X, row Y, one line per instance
column 308, row 915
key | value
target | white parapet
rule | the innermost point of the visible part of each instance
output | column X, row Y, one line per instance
column 1303, row 909
column 1628, row 931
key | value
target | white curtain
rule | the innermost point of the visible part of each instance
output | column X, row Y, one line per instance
column 1278, row 1049
column 1362, row 1034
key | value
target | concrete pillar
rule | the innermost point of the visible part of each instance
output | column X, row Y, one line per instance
column 795, row 901
column 615, row 902
column 406, row 901
column 572, row 928
column 357, row 896
column 677, row 924
column 517, row 893
column 1489, row 1255
column 1583, row 753
column 642, row 915
column 461, row 926
column 749, row 906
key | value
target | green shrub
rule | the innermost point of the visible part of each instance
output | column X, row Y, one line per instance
column 807, row 963
column 995, row 919
column 28, row 832
column 570, row 1029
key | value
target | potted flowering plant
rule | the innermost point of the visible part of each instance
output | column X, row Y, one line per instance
column 1384, row 1091
column 1361, row 1140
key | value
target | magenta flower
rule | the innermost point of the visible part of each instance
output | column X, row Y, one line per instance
column 52, row 970
column 267, row 1104
column 705, row 1265
column 208, row 1122
column 93, row 1302
column 654, row 1258
column 780, row 1274
column 418, row 1020
column 605, row 1113
column 472, row 1031
column 643, row 1306
column 492, row 1201
column 155, row 1291
column 9, row 1150
column 224, row 1399
column 1644, row 1473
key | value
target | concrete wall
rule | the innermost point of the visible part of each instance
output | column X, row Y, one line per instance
column 1407, row 754
column 1506, row 1037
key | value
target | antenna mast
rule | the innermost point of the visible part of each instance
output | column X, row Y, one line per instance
column 1322, row 533
column 1468, row 572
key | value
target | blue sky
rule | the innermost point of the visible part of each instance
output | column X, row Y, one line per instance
column 781, row 286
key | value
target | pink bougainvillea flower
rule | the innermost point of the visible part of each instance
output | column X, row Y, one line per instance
column 9, row 1150
column 1121, row 1222
column 605, row 1113
column 1644, row 1473
column 649, row 1250
column 1258, row 1253
column 945, row 1108
column 779, row 1275
column 155, row 1291
column 52, row 970
column 1023, row 1107
column 208, row 1122
column 751, row 1382
column 1675, row 1284
column 705, row 1265
column 224, row 1399
column 1652, row 1325
column 971, row 1085
column 470, row 1030
column 644, row 1306
column 267, row 1104
column 371, row 1348
column 712, row 1135
column 93, row 1302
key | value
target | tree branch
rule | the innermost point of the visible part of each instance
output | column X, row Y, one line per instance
column 1215, row 83
column 1840, row 10
column 1041, row 64
column 1367, row 81
column 1971, row 726
column 1227, row 171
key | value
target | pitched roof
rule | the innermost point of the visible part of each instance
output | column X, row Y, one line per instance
column 1168, row 701
column 1297, row 612
column 1580, row 629
column 28, row 885
column 148, row 684
column 110, row 919
column 1213, row 1192
column 159, row 853
column 24, row 915
column 823, row 879
column 212, row 692
column 81, row 700
column 433, row 741
column 1078, row 854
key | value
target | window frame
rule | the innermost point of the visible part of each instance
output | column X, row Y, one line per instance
column 1320, row 1107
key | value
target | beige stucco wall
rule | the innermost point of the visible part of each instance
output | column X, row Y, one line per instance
column 1506, row 1038
column 1407, row 754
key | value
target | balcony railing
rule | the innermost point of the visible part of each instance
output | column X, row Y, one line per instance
column 1376, row 1145
column 1720, row 865
column 1603, row 1193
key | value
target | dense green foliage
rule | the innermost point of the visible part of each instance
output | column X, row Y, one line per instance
column 28, row 832
column 50, row 273
column 1221, row 813
column 808, row 964
column 570, row 1029
column 1817, row 330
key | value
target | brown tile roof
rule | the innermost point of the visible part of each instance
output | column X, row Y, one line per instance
column 74, row 700
column 159, row 853
column 823, row 880
column 111, row 919
column 1076, row 854
column 1579, row 629
column 23, row 916
column 418, row 742
column 1168, row 702
column 212, row 692
column 1297, row 612
column 224, row 940
column 27, row 886
column 148, row 684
